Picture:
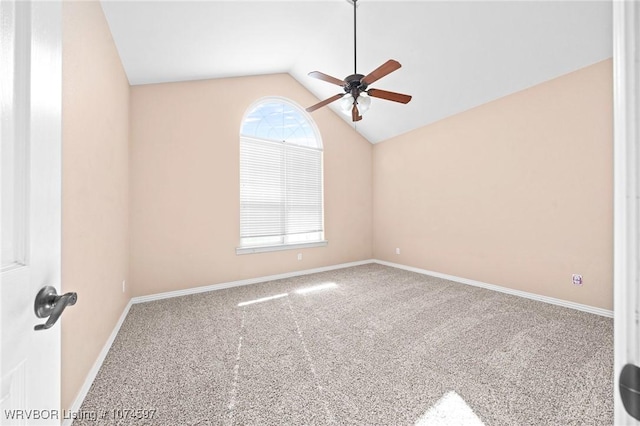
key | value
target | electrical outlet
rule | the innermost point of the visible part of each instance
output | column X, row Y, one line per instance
column 397, row 250
column 299, row 256
column 577, row 279
column 124, row 285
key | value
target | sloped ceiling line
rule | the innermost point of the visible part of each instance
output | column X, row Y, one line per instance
column 455, row 55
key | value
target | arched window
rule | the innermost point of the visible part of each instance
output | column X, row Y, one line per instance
column 281, row 202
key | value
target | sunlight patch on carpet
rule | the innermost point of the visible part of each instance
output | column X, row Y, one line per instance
column 318, row 287
column 263, row 299
column 450, row 410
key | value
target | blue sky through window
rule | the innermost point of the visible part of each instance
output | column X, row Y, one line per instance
column 280, row 121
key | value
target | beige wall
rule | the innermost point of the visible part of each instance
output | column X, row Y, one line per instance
column 516, row 192
column 185, row 185
column 95, row 245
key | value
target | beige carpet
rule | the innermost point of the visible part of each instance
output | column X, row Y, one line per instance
column 372, row 345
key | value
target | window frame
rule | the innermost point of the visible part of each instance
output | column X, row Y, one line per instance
column 321, row 242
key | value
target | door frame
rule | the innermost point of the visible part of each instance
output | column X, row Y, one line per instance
column 626, row 240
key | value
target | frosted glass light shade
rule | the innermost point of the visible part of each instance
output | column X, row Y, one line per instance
column 345, row 104
column 363, row 102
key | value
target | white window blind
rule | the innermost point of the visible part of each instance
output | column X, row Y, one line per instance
column 280, row 180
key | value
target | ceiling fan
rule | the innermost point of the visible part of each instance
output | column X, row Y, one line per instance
column 356, row 86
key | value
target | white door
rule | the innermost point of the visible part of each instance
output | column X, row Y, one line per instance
column 30, row 153
column 627, row 211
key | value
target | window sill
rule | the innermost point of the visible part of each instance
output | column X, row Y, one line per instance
column 264, row 249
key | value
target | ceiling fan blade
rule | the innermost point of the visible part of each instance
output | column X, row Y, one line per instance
column 325, row 102
column 384, row 69
column 390, row 96
column 324, row 77
column 354, row 113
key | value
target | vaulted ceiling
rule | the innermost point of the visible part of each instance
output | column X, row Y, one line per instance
column 455, row 55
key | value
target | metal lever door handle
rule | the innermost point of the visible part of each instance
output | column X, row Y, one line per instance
column 49, row 304
column 629, row 385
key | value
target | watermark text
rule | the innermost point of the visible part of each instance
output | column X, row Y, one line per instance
column 89, row 415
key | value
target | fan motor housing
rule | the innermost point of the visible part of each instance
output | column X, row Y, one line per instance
column 353, row 84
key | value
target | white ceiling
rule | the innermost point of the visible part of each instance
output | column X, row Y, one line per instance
column 455, row 55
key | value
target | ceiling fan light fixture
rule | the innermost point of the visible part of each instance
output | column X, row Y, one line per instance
column 345, row 104
column 363, row 103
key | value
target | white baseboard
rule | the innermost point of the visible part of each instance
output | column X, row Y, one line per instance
column 88, row 381
column 220, row 286
column 526, row 295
